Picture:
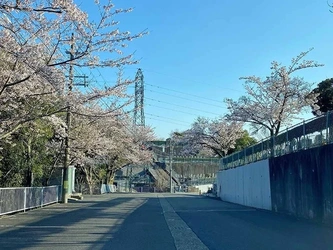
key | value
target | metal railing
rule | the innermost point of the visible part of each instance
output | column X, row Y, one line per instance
column 23, row 198
column 314, row 132
column 201, row 181
column 189, row 159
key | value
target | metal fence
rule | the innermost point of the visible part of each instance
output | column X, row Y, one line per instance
column 20, row 199
column 314, row 132
column 201, row 181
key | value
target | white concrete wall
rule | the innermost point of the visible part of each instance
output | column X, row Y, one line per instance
column 248, row 185
column 204, row 188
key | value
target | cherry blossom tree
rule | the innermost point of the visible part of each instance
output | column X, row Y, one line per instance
column 22, row 103
column 129, row 151
column 101, row 145
column 209, row 137
column 276, row 100
column 129, row 147
column 35, row 36
column 40, row 43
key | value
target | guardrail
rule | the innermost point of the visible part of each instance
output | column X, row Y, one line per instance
column 314, row 132
column 24, row 198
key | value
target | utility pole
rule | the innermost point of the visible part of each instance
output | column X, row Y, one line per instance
column 68, row 123
column 170, row 162
column 65, row 184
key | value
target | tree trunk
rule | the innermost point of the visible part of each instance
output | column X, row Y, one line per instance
column 110, row 174
column 30, row 175
column 89, row 178
column 91, row 191
column 47, row 180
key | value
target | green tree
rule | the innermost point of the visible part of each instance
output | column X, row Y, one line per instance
column 10, row 165
column 325, row 97
column 26, row 160
column 243, row 142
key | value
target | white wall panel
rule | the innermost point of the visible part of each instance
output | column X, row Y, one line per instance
column 248, row 185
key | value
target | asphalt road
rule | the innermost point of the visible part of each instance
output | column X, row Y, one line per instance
column 158, row 221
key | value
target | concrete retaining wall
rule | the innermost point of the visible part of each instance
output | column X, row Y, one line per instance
column 248, row 185
column 302, row 183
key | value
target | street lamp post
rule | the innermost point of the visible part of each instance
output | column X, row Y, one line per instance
column 170, row 162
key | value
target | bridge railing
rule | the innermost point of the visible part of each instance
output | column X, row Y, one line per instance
column 314, row 132
column 23, row 198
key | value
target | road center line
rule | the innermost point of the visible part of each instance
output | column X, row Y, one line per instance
column 184, row 237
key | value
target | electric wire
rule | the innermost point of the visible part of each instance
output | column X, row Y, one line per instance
column 168, row 103
column 174, row 110
column 188, row 80
column 180, row 97
column 167, row 118
column 168, row 122
column 184, row 93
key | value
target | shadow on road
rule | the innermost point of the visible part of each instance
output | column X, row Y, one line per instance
column 222, row 225
column 63, row 226
column 137, row 221
column 116, row 221
column 143, row 229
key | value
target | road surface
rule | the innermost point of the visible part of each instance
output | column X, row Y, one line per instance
column 158, row 221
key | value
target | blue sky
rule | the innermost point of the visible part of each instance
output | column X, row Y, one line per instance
column 197, row 50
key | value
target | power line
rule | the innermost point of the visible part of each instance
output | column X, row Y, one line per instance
column 180, row 97
column 74, row 69
column 107, row 105
column 224, row 107
column 188, row 80
column 167, row 118
column 182, row 106
column 180, row 92
column 178, row 111
column 166, row 121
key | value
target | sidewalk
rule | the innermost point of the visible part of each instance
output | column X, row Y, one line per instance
column 97, row 222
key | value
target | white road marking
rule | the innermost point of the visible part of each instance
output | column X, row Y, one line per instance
column 184, row 237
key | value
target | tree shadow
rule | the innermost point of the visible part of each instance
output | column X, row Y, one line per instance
column 143, row 229
column 63, row 226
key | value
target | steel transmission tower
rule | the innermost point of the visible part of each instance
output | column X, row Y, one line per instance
column 139, row 114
